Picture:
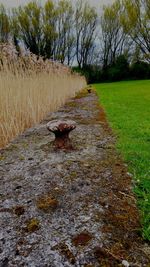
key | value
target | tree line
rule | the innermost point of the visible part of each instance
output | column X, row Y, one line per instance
column 110, row 45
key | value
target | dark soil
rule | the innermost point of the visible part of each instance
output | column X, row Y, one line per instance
column 72, row 207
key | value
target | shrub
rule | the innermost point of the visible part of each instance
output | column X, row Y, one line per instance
column 140, row 70
column 92, row 73
column 119, row 70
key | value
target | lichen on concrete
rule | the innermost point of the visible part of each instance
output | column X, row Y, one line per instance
column 68, row 208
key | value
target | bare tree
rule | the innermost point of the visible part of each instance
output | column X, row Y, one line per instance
column 85, row 27
column 136, row 22
column 114, row 41
column 65, row 34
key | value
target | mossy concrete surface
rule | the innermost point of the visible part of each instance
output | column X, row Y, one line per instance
column 69, row 207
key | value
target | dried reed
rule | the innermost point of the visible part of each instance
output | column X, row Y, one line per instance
column 30, row 88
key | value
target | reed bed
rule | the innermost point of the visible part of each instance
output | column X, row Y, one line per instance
column 29, row 89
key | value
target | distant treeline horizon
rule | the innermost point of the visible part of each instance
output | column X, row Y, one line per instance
column 113, row 45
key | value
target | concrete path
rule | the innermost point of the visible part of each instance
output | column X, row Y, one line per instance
column 68, row 207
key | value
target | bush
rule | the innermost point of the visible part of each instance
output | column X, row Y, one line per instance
column 119, row 70
column 140, row 70
column 92, row 73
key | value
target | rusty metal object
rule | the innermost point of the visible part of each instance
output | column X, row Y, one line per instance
column 89, row 90
column 61, row 129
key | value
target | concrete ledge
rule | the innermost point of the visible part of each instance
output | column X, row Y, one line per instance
column 68, row 208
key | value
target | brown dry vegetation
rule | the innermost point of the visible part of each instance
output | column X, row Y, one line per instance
column 30, row 88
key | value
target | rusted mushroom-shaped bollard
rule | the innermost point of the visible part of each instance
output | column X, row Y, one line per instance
column 61, row 129
column 89, row 90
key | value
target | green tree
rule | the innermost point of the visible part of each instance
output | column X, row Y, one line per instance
column 14, row 26
column 49, row 29
column 30, row 27
column 4, row 25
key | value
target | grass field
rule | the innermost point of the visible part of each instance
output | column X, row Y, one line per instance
column 127, row 106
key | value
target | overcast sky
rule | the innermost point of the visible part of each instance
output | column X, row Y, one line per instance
column 12, row 3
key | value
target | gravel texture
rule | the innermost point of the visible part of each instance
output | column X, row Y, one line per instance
column 68, row 207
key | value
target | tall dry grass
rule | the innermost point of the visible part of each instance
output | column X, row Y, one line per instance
column 29, row 89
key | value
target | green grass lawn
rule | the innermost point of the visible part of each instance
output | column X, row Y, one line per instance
column 127, row 106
